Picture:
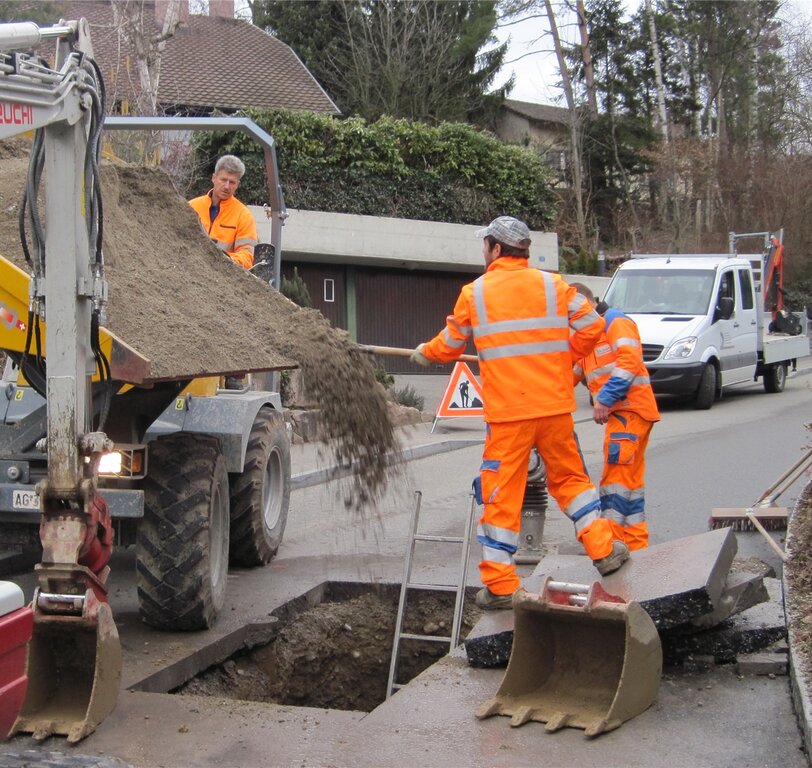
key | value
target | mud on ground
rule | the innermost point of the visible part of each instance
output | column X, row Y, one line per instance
column 191, row 311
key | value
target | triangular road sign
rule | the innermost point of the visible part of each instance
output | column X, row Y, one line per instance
column 462, row 397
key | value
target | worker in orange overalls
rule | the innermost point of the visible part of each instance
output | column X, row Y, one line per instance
column 528, row 327
column 225, row 219
column 623, row 400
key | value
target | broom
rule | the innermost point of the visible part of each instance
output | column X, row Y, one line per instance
column 764, row 515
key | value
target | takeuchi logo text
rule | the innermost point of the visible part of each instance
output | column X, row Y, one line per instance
column 12, row 113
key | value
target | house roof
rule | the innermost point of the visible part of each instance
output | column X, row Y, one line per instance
column 544, row 113
column 210, row 62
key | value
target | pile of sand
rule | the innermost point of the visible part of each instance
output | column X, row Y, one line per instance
column 191, row 311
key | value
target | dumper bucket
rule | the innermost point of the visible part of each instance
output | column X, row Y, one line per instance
column 74, row 672
column 581, row 658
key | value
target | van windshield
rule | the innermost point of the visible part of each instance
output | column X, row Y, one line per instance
column 678, row 292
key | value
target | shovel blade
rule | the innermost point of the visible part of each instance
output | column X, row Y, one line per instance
column 590, row 667
column 74, row 674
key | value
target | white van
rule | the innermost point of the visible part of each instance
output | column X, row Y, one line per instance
column 702, row 324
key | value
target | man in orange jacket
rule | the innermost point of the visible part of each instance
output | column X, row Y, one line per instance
column 528, row 327
column 621, row 392
column 226, row 220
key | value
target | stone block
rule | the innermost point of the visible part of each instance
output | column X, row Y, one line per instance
column 675, row 581
column 762, row 664
column 743, row 589
column 747, row 632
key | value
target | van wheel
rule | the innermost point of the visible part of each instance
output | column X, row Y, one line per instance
column 775, row 378
column 182, row 540
column 706, row 393
column 260, row 494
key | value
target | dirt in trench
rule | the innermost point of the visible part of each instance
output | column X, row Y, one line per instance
column 191, row 311
column 337, row 654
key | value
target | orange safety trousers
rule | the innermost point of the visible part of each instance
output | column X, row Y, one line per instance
column 501, row 486
column 623, row 481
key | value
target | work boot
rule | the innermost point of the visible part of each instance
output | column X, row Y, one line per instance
column 613, row 561
column 488, row 601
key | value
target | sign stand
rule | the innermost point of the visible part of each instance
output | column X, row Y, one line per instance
column 462, row 397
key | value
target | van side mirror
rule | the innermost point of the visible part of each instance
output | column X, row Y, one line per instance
column 724, row 309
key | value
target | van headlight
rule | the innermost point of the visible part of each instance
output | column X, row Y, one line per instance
column 681, row 349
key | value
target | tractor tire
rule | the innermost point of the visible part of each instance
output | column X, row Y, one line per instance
column 260, row 494
column 706, row 392
column 182, row 541
column 775, row 378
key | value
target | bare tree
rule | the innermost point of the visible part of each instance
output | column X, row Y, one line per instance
column 658, row 72
column 576, row 163
column 586, row 57
column 135, row 21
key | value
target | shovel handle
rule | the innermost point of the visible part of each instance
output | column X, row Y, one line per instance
column 402, row 352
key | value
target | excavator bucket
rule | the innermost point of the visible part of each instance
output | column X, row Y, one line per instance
column 74, row 673
column 581, row 658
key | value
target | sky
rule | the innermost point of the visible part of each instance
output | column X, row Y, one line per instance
column 537, row 73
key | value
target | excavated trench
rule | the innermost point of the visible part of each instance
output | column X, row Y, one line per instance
column 336, row 654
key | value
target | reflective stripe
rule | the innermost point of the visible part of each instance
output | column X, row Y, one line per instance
column 585, row 502
column 602, row 371
column 584, row 322
column 576, row 304
column 496, row 555
column 490, row 465
column 246, row 245
column 521, row 350
column 624, row 519
column 622, row 373
column 496, row 536
column 625, row 342
column 451, row 341
column 526, row 324
column 479, row 300
column 624, row 505
column 621, row 490
column 464, row 330
column 578, row 371
column 586, row 520
column 641, row 381
column 245, row 241
column 549, row 293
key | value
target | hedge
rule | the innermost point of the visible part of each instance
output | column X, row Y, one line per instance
column 450, row 172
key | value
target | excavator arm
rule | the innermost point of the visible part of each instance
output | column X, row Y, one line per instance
column 74, row 658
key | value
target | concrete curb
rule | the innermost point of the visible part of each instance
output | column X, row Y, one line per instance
column 801, row 700
column 319, row 476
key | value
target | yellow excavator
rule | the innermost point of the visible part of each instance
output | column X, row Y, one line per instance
column 195, row 475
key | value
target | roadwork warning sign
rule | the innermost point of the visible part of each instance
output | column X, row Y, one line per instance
column 462, row 396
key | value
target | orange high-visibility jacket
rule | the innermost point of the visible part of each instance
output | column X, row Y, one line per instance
column 615, row 372
column 528, row 327
column 234, row 231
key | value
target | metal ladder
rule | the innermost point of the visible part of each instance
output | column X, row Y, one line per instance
column 407, row 584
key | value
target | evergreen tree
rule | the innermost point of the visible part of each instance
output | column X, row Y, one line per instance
column 417, row 59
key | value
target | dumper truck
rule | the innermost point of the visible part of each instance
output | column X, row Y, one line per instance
column 195, row 475
column 709, row 321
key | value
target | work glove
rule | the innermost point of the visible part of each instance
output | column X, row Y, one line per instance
column 418, row 357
